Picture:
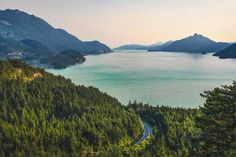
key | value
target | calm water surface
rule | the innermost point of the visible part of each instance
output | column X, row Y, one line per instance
column 163, row 78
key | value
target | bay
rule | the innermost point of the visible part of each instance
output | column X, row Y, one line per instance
column 157, row 78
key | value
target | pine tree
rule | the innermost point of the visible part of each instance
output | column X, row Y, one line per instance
column 218, row 122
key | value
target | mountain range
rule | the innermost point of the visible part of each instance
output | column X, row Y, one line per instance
column 35, row 53
column 33, row 40
column 196, row 43
column 18, row 25
column 138, row 46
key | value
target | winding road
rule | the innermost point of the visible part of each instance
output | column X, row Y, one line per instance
column 146, row 133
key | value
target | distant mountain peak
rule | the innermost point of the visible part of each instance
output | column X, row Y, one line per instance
column 196, row 34
column 196, row 43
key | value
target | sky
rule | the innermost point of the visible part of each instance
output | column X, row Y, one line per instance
column 118, row 22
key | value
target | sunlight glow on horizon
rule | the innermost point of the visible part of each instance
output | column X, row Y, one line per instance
column 121, row 22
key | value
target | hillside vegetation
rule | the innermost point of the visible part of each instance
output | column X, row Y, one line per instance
column 209, row 131
column 174, row 130
column 46, row 115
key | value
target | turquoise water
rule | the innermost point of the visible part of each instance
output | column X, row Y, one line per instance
column 163, row 78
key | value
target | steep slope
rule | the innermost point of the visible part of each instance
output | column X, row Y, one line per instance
column 19, row 25
column 229, row 52
column 35, row 49
column 95, row 47
column 195, row 44
column 46, row 115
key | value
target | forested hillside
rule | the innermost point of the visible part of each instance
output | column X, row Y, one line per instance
column 46, row 115
column 209, row 131
column 174, row 130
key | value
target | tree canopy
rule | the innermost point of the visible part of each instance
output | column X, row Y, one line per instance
column 46, row 115
column 218, row 122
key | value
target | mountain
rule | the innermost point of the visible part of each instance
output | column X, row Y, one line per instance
column 35, row 48
column 95, row 47
column 46, row 115
column 64, row 59
column 7, row 46
column 138, row 46
column 35, row 45
column 195, row 44
column 157, row 44
column 229, row 52
column 36, row 54
column 18, row 25
column 132, row 47
column 160, row 47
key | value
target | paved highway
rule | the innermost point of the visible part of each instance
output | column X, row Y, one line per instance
column 146, row 133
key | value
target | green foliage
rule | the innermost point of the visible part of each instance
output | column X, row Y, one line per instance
column 179, row 132
column 174, row 131
column 64, row 59
column 50, row 116
column 218, row 123
column 46, row 115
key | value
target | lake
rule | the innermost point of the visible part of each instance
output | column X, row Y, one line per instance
column 163, row 78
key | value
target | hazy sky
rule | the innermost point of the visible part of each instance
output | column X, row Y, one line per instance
column 117, row 22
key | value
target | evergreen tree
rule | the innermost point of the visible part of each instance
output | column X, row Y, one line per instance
column 218, row 122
